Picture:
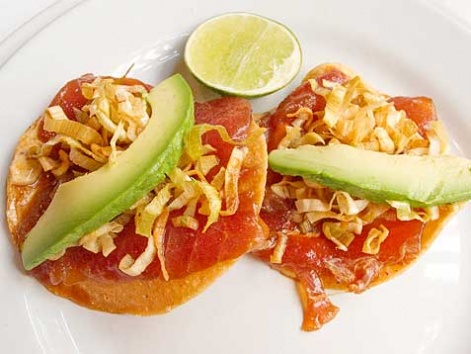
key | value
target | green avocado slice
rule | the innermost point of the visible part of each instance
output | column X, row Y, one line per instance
column 87, row 202
column 421, row 181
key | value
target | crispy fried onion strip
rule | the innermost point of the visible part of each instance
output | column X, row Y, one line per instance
column 188, row 193
column 102, row 239
column 106, row 125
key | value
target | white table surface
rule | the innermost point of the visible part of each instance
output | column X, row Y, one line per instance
column 13, row 14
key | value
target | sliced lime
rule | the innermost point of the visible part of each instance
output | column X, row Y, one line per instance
column 243, row 54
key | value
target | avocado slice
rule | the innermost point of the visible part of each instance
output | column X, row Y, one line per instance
column 421, row 181
column 87, row 202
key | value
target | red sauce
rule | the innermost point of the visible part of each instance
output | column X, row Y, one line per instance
column 186, row 251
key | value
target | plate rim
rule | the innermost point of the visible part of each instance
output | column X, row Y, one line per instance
column 22, row 34
column 46, row 20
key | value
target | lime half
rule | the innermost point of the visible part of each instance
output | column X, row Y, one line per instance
column 243, row 54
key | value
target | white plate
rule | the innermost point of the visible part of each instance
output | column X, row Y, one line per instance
column 402, row 47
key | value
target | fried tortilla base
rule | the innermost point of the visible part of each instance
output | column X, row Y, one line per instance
column 139, row 297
